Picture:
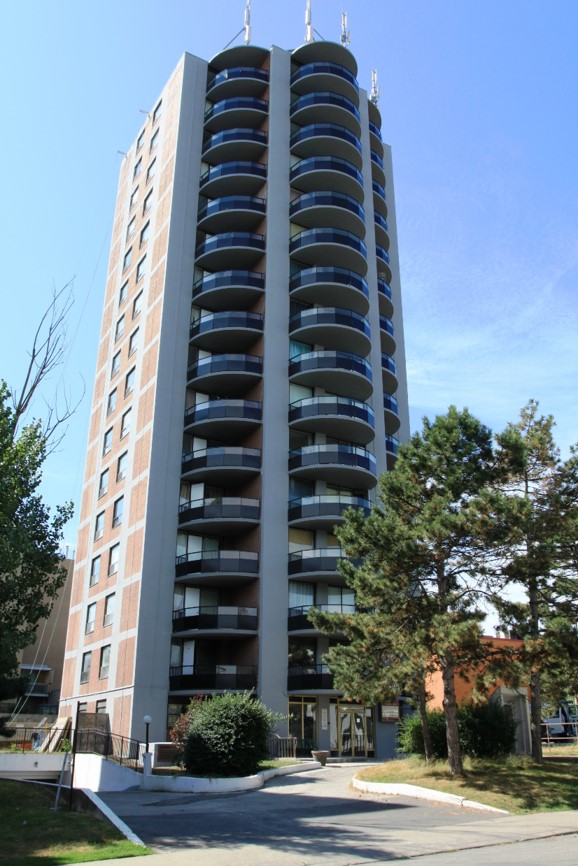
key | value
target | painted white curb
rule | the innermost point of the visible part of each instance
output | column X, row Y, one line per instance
column 114, row 819
column 401, row 789
column 201, row 785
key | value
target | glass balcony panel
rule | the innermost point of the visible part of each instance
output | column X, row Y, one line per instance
column 243, row 109
column 240, row 143
column 309, row 678
column 323, row 131
column 326, row 106
column 325, row 163
column 330, row 285
column 324, row 510
column 217, row 562
column 226, row 289
column 215, row 617
column 213, row 677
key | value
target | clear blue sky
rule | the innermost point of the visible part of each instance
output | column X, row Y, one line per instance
column 479, row 102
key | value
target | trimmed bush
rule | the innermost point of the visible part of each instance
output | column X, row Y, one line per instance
column 486, row 731
column 228, row 735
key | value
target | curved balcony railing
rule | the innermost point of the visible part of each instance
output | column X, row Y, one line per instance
column 315, row 560
column 217, row 510
column 343, row 238
column 227, row 457
column 329, row 276
column 237, row 72
column 387, row 363
column 228, row 203
column 237, row 103
column 230, row 363
column 376, row 158
column 233, row 283
column 386, row 324
column 227, row 169
column 215, row 617
column 391, row 445
column 219, row 410
column 298, row 619
column 324, row 68
column 330, row 360
column 225, row 320
column 378, row 189
column 325, row 97
column 390, row 403
column 380, row 221
column 235, row 137
column 382, row 254
column 384, row 288
column 325, row 507
column 230, row 239
column 373, row 127
column 335, row 455
column 326, row 199
column 309, row 678
column 347, row 407
column 325, row 163
column 209, row 677
column 217, row 562
column 324, row 325
column 325, row 130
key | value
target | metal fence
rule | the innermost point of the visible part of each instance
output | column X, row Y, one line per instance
column 558, row 733
column 114, row 747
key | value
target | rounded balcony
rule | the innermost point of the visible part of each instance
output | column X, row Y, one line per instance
column 225, row 289
column 315, row 562
column 230, row 248
column 331, row 286
column 332, row 52
column 208, row 678
column 325, row 76
column 234, row 112
column 316, row 209
column 219, row 562
column 313, row 678
column 223, row 464
column 337, row 372
column 386, row 334
column 239, row 55
column 224, row 419
column 231, row 212
column 391, row 414
column 238, row 328
column 376, row 139
column 384, row 296
column 229, row 374
column 241, row 143
column 391, row 449
column 383, row 263
column 220, row 514
column 388, row 374
column 381, row 230
column 379, row 198
column 333, row 328
column 319, row 173
column 298, row 619
column 327, row 246
column 339, row 417
column 326, row 107
column 324, row 511
column 345, row 465
column 377, row 168
column 327, row 139
column 245, row 178
column 237, row 81
column 230, row 620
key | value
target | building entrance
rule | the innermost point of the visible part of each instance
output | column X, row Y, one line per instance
column 352, row 734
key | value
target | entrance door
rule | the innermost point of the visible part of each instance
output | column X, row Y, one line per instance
column 355, row 730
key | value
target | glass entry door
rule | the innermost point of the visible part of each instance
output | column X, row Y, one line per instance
column 354, row 731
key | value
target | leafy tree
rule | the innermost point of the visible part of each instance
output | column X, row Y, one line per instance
column 536, row 535
column 420, row 579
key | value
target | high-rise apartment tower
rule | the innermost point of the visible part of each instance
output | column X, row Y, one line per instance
column 250, row 387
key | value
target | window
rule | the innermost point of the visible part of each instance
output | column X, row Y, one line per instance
column 111, row 402
column 122, row 294
column 90, row 618
column 155, row 140
column 109, row 609
column 85, row 669
column 137, row 169
column 107, row 444
column 140, row 141
column 133, row 198
column 113, row 558
column 133, row 343
column 103, row 485
column 157, row 112
column 140, row 271
column 148, row 202
column 94, row 571
column 130, row 228
column 127, row 259
column 121, row 466
column 99, row 526
column 129, row 382
column 119, row 330
column 83, row 708
column 104, row 662
column 115, row 365
column 125, row 424
column 144, row 235
column 118, row 508
column 151, row 170
column 137, row 305
column 101, row 707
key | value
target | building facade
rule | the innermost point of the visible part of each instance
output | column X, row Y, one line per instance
column 250, row 387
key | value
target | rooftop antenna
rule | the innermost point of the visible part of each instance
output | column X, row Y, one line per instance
column 345, row 33
column 374, row 94
column 308, row 27
column 247, row 22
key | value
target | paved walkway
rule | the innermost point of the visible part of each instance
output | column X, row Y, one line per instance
column 315, row 819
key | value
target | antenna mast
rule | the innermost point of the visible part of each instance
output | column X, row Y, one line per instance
column 308, row 27
column 247, row 22
column 374, row 94
column 345, row 33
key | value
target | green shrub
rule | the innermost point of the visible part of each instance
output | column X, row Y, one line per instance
column 486, row 731
column 228, row 736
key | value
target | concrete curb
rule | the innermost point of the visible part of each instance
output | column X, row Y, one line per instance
column 114, row 819
column 401, row 789
column 197, row 785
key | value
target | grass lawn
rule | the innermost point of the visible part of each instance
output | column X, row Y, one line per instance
column 34, row 835
column 514, row 784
